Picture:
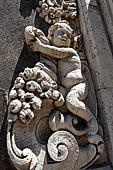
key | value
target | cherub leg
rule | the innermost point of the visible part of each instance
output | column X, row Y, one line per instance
column 74, row 104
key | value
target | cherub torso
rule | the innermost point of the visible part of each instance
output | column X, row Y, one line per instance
column 67, row 71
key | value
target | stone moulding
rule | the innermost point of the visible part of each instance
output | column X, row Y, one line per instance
column 52, row 118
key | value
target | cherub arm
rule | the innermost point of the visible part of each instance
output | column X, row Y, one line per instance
column 52, row 51
column 31, row 33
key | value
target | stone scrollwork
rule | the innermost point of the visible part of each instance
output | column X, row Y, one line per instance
column 52, row 123
column 20, row 159
column 62, row 146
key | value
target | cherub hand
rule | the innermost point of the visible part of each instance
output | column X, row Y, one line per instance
column 35, row 46
column 41, row 36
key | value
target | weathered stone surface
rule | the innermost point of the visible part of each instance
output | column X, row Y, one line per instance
column 107, row 14
column 11, row 42
column 106, row 117
column 101, row 168
column 96, row 43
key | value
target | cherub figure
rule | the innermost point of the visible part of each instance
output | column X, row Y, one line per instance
column 59, row 48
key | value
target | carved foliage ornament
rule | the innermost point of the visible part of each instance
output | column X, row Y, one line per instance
column 52, row 123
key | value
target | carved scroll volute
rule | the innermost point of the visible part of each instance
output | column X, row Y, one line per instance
column 62, row 147
column 21, row 159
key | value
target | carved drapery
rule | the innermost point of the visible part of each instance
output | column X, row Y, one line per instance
column 52, row 114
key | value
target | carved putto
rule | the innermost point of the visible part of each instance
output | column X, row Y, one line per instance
column 49, row 116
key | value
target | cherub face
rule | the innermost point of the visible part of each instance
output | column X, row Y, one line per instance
column 62, row 37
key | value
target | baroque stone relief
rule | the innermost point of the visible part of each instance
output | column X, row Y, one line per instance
column 52, row 113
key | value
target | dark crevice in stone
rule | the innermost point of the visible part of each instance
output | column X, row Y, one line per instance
column 5, row 163
column 26, row 7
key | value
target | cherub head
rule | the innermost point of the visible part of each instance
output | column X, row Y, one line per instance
column 61, row 34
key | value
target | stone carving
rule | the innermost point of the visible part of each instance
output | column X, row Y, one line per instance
column 62, row 146
column 49, row 116
column 29, row 89
column 69, row 67
column 20, row 158
column 53, row 12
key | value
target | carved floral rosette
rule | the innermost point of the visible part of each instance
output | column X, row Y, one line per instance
column 43, row 133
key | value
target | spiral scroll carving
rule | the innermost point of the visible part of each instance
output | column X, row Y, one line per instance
column 62, row 146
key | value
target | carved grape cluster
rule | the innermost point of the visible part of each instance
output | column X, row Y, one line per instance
column 29, row 89
column 50, row 13
column 54, row 12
